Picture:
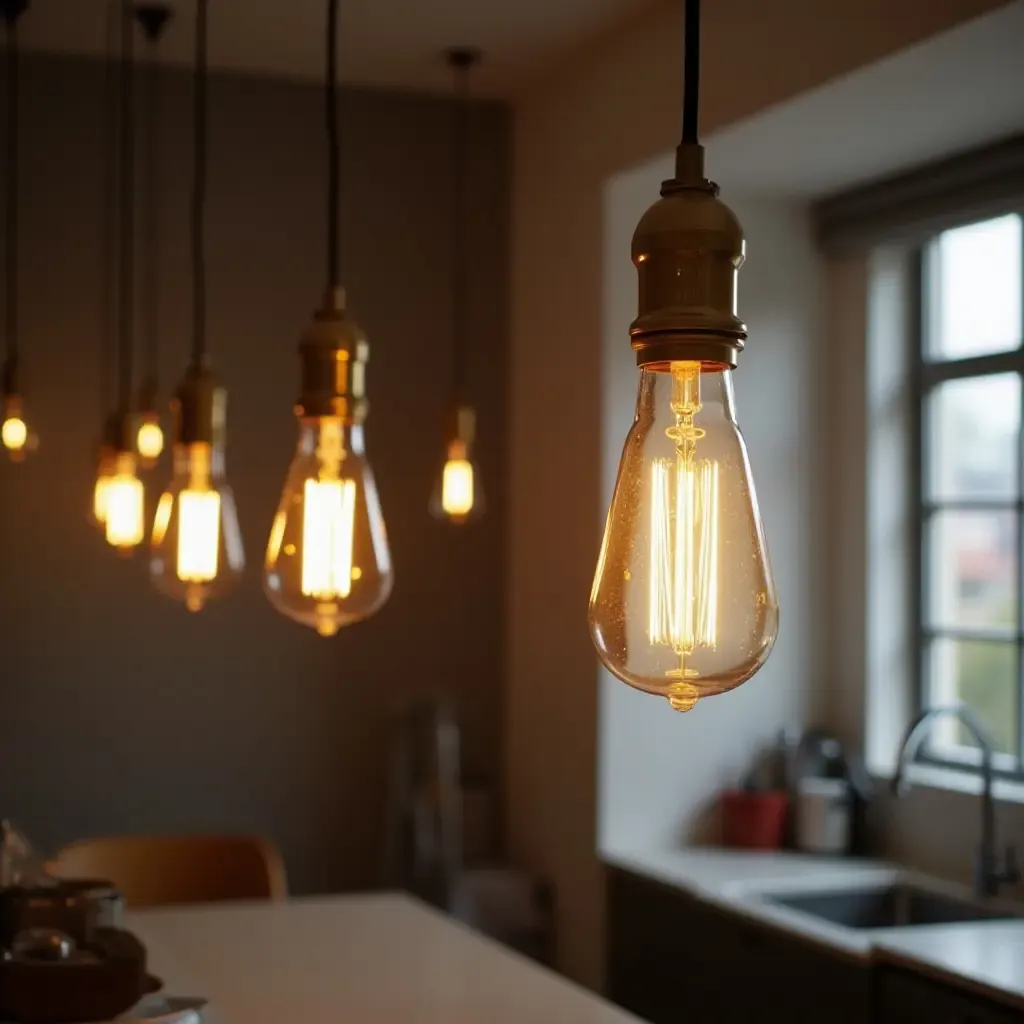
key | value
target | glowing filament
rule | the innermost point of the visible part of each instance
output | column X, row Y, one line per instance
column 683, row 612
column 123, row 505
column 150, row 440
column 100, row 497
column 198, row 535
column 14, row 433
column 457, row 487
column 328, row 527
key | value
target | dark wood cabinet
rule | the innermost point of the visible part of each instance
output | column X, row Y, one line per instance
column 904, row 997
column 675, row 959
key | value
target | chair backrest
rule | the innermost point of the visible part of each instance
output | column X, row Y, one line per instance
column 153, row 871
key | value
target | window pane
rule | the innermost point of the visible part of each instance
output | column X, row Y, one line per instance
column 972, row 570
column 976, row 289
column 982, row 674
column 973, row 426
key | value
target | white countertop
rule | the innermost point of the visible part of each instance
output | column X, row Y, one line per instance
column 987, row 958
column 378, row 959
column 984, row 956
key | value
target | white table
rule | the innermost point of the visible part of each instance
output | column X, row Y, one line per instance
column 376, row 959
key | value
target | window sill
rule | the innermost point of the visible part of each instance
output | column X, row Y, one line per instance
column 1004, row 790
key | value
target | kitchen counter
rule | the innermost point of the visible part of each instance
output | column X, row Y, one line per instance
column 986, row 957
column 386, row 959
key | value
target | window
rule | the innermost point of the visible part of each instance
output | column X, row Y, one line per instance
column 968, row 453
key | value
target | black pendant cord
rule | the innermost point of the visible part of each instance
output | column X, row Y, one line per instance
column 691, row 70
column 12, row 11
column 126, row 304
column 109, row 270
column 461, row 61
column 333, row 146
column 152, row 18
column 199, row 188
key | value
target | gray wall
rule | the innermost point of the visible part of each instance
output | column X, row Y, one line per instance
column 119, row 710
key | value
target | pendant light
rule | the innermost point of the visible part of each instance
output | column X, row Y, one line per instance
column 17, row 437
column 149, row 440
column 196, row 544
column 107, row 444
column 124, row 499
column 328, row 563
column 458, row 495
column 683, row 604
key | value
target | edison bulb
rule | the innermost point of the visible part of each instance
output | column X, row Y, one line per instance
column 17, row 439
column 149, row 440
column 101, row 487
column 124, row 505
column 15, row 433
column 458, row 495
column 328, row 563
column 196, row 545
column 683, row 603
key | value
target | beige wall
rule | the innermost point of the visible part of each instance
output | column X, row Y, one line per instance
column 613, row 108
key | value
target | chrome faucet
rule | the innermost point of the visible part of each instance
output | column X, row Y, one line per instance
column 990, row 871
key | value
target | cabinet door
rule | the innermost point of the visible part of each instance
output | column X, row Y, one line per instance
column 675, row 959
column 907, row 998
column 663, row 953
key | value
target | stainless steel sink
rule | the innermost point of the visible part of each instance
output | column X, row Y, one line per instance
column 896, row 905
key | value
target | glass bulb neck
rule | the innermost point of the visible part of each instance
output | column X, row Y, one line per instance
column 330, row 439
column 199, row 465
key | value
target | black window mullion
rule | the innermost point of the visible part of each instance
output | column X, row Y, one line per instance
column 921, row 279
column 926, row 374
column 1020, row 536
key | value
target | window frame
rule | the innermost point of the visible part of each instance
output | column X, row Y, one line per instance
column 926, row 375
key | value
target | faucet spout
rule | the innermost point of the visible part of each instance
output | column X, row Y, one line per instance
column 990, row 870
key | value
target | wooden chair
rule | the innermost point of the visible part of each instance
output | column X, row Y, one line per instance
column 155, row 871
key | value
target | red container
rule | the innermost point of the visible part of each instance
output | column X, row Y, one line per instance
column 754, row 821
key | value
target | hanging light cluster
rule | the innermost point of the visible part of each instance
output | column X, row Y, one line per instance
column 328, row 562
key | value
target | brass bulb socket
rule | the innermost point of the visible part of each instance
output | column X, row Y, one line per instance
column 333, row 352
column 199, row 408
column 687, row 249
column 460, row 425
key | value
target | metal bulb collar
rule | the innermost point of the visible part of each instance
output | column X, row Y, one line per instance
column 687, row 249
column 333, row 352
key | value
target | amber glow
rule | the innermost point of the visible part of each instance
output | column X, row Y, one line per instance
column 123, row 505
column 327, row 562
column 150, row 440
column 457, row 486
column 328, row 521
column 198, row 527
column 683, row 604
column 198, row 536
column 14, row 433
column 683, row 600
column 99, row 497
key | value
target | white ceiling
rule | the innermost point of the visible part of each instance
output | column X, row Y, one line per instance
column 958, row 90
column 392, row 43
